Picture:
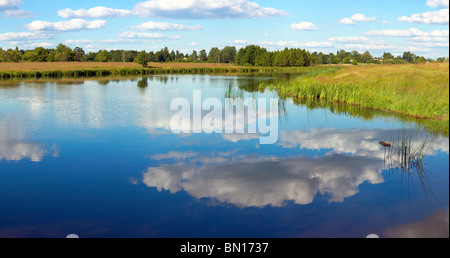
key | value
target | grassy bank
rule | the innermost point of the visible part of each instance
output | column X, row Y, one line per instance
column 87, row 69
column 420, row 91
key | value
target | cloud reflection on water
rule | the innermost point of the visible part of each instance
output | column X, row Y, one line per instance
column 353, row 158
column 15, row 147
column 268, row 180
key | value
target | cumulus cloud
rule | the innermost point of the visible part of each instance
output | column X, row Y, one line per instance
column 165, row 26
column 350, row 39
column 35, row 45
column 9, row 4
column 10, row 9
column 77, row 41
column 203, row 9
column 24, row 36
column 72, row 25
column 96, row 12
column 371, row 46
column 357, row 18
column 438, row 17
column 240, row 42
column 438, row 3
column 430, row 39
column 412, row 32
column 16, row 13
column 145, row 35
column 304, row 26
column 283, row 44
column 432, row 44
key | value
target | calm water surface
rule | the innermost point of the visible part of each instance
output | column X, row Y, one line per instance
column 97, row 158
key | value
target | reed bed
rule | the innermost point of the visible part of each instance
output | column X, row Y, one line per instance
column 420, row 91
column 115, row 71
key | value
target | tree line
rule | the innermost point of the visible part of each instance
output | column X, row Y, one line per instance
column 248, row 56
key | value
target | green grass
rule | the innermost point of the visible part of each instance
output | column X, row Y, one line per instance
column 149, row 71
column 418, row 91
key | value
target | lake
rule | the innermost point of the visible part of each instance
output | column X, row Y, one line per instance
column 98, row 158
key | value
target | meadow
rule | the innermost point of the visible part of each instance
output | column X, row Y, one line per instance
column 420, row 91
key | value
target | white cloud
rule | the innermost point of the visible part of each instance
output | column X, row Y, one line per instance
column 413, row 32
column 77, row 41
column 192, row 44
column 304, row 26
column 96, row 12
column 357, row 18
column 10, row 10
column 350, row 39
column 24, row 36
column 9, row 4
column 72, row 25
column 240, row 42
column 295, row 44
column 416, row 49
column 386, row 22
column 165, row 26
column 203, row 9
column 371, row 46
column 16, row 13
column 347, row 21
column 438, row 3
column 438, row 17
column 430, row 39
column 432, row 44
column 145, row 35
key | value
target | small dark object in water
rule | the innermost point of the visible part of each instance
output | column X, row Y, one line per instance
column 386, row 144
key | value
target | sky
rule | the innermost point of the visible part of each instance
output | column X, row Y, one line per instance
column 378, row 26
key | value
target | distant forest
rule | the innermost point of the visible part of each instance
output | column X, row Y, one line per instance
column 248, row 56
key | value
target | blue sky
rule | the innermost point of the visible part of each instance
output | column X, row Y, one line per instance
column 420, row 26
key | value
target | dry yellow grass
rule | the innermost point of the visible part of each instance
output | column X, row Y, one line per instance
column 66, row 66
column 62, row 66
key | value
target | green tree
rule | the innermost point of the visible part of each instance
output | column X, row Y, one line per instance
column 194, row 56
column 228, row 55
column 103, row 56
column 347, row 60
column 79, row 54
column 356, row 56
column 172, row 56
column 29, row 56
column 142, row 59
column 203, row 56
column 409, row 57
column 214, row 55
column 421, row 60
column 367, row 58
column 388, row 58
column 64, row 53
column 12, row 55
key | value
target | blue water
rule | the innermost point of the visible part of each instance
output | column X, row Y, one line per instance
column 97, row 158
